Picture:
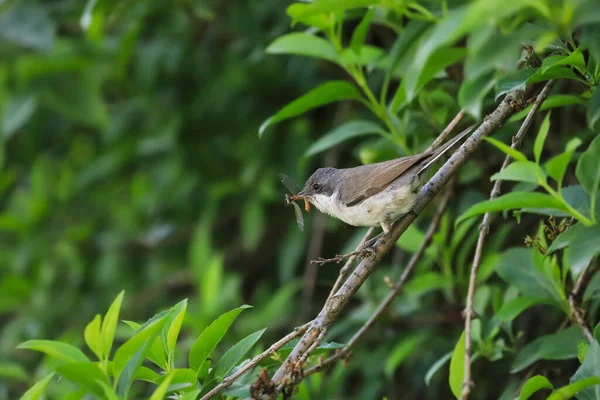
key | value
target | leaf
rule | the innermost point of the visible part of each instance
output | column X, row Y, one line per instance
column 574, row 59
column 402, row 350
column 360, row 33
column 37, row 390
column 211, row 336
column 590, row 368
column 472, row 92
column 511, row 309
column 60, row 350
column 511, row 201
column 521, row 171
column 514, row 153
column 85, row 375
column 585, row 245
column 514, row 81
column 109, row 324
column 304, row 44
column 588, row 168
column 327, row 6
column 235, row 354
column 12, row 371
column 16, row 111
column 534, row 384
column 567, row 392
column 557, row 346
column 592, row 290
column 436, row 367
column 92, row 336
column 130, row 355
column 457, row 367
column 553, row 101
column 161, row 390
column 326, row 93
column 517, row 268
column 342, row 133
column 557, row 165
column 29, row 25
column 538, row 145
column 172, row 327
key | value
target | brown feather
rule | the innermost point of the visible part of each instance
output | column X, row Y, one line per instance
column 360, row 183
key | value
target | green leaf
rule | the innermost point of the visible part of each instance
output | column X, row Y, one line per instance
column 585, row 245
column 457, row 367
column 326, row 93
column 402, row 350
column 592, row 290
column 588, row 168
column 16, row 111
column 557, row 165
column 85, row 375
column 235, row 354
column 540, row 139
column 130, row 355
column 327, row 6
column 590, row 368
column 211, row 336
column 60, row 350
column 514, row 307
column 514, row 81
column 558, row 346
column 514, row 153
column 583, row 348
column 29, row 25
column 306, row 45
column 517, row 268
column 521, row 171
column 37, row 390
column 438, row 61
column 342, row 133
column 161, row 390
column 436, row 367
column 553, row 73
column 567, row 392
column 92, row 336
column 12, row 371
column 193, row 395
column 534, row 384
column 472, row 92
column 109, row 324
column 172, row 327
column 360, row 33
column 575, row 59
column 553, row 101
column 511, row 201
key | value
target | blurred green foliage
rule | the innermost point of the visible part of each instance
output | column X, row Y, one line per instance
column 136, row 154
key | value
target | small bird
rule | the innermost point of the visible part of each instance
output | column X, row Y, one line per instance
column 372, row 194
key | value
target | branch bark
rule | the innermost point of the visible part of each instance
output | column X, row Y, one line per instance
column 484, row 229
column 512, row 103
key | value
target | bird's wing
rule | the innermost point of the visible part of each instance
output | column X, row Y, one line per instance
column 362, row 182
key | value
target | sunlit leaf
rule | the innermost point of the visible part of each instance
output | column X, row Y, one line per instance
column 457, row 367
column 534, row 384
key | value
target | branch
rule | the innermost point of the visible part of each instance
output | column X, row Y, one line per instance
column 397, row 289
column 512, row 103
column 484, row 229
column 575, row 307
column 256, row 360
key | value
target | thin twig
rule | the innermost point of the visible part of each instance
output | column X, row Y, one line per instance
column 256, row 360
column 575, row 311
column 344, row 270
column 483, row 231
column 513, row 102
column 397, row 289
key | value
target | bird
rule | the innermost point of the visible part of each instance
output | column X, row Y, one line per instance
column 373, row 194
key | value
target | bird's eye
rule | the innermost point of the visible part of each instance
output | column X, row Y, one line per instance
column 316, row 187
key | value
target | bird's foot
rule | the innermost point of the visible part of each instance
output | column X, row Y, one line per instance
column 364, row 252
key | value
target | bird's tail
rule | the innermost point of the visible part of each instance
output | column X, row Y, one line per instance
column 437, row 153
